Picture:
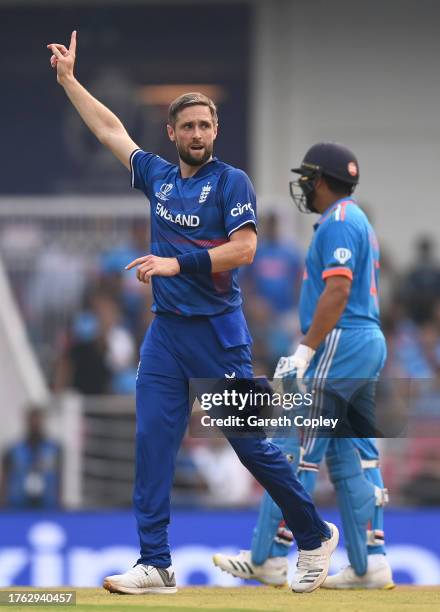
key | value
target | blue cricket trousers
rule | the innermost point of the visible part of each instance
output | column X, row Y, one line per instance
column 176, row 349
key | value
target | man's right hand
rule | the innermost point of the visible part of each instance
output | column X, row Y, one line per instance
column 63, row 60
column 107, row 128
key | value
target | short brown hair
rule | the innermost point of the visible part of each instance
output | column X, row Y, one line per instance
column 194, row 98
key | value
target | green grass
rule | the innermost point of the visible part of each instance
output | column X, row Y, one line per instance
column 257, row 599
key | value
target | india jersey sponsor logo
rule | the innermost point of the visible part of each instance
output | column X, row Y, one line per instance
column 205, row 193
column 164, row 192
column 242, row 208
column 342, row 255
column 179, row 219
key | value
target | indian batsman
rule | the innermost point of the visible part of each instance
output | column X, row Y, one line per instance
column 203, row 227
column 339, row 316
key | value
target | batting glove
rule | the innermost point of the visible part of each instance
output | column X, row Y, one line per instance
column 295, row 365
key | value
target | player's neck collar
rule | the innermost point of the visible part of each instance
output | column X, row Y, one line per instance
column 201, row 172
column 326, row 214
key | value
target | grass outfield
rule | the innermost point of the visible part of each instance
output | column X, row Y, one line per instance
column 258, row 599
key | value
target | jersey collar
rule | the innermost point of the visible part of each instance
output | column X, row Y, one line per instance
column 326, row 214
column 203, row 171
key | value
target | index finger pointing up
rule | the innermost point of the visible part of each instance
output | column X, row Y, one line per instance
column 72, row 46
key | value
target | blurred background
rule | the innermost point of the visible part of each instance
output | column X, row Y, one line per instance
column 285, row 74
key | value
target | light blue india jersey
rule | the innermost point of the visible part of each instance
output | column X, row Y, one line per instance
column 344, row 244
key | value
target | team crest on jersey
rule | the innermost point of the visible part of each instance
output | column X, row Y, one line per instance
column 164, row 192
column 205, row 193
column 342, row 255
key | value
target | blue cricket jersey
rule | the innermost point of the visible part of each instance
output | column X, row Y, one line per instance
column 188, row 214
column 344, row 244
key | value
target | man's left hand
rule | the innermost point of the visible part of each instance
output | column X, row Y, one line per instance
column 151, row 265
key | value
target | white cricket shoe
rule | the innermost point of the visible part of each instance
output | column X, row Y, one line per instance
column 272, row 572
column 377, row 576
column 142, row 579
column 313, row 565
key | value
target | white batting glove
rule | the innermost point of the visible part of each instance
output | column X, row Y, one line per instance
column 295, row 365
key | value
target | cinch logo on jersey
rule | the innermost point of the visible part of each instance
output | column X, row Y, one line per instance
column 164, row 192
column 241, row 208
column 205, row 193
column 179, row 219
column 342, row 255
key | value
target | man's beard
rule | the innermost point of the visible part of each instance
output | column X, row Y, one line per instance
column 187, row 157
column 310, row 198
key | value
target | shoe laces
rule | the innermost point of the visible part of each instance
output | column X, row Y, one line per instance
column 145, row 569
column 307, row 560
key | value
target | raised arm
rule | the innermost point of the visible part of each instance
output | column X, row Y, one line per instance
column 99, row 119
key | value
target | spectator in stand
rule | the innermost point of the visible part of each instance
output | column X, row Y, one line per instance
column 414, row 357
column 99, row 357
column 57, row 285
column 189, row 485
column 31, row 468
column 416, row 349
column 421, row 285
column 229, row 483
column 389, row 279
column 271, row 338
column 134, row 297
column 423, row 488
column 271, row 285
column 275, row 274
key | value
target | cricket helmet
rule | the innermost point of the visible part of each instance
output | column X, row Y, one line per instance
column 327, row 159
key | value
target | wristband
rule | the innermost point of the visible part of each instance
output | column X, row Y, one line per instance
column 195, row 262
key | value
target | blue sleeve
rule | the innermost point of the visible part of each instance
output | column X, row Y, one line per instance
column 239, row 201
column 143, row 167
column 338, row 242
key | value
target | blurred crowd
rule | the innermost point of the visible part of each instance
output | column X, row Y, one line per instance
column 94, row 314
column 98, row 350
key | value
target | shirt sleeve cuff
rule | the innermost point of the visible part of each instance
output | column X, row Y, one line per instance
column 338, row 272
column 247, row 222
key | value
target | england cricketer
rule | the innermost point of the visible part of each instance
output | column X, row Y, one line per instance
column 203, row 227
column 343, row 341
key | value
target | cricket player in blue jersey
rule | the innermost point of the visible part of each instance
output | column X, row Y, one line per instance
column 339, row 316
column 203, row 227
